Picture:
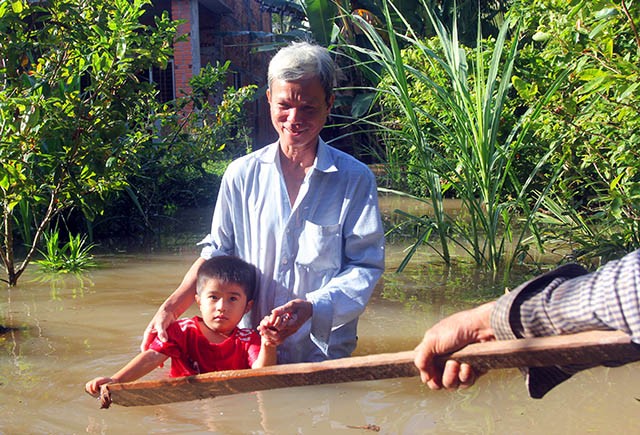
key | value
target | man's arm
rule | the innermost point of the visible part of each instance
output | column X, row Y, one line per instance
column 173, row 307
column 570, row 300
column 345, row 296
column 566, row 300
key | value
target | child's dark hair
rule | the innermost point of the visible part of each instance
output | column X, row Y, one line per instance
column 227, row 268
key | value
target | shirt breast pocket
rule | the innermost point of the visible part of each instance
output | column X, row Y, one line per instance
column 320, row 247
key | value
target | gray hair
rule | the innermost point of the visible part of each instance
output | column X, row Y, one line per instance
column 302, row 60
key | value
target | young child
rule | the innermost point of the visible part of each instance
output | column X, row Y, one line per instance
column 225, row 292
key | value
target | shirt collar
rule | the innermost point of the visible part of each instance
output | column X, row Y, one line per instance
column 324, row 161
column 324, row 158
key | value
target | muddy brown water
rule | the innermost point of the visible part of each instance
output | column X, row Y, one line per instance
column 71, row 329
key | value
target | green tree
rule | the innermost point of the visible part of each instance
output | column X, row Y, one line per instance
column 594, row 120
column 200, row 133
column 73, row 114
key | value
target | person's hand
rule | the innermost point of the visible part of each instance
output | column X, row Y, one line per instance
column 285, row 320
column 93, row 386
column 157, row 328
column 269, row 327
column 176, row 304
column 447, row 336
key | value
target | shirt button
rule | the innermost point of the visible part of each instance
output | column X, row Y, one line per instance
column 285, row 261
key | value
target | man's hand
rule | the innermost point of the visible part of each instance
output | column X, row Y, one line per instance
column 285, row 320
column 268, row 329
column 172, row 308
column 447, row 336
column 157, row 328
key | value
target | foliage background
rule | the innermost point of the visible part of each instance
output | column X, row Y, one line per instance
column 592, row 210
column 87, row 147
column 82, row 130
column 73, row 115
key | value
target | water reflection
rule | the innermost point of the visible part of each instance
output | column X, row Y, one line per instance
column 67, row 331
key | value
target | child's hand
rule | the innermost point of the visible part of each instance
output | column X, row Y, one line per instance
column 270, row 328
column 93, row 387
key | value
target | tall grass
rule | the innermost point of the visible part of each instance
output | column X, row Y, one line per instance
column 479, row 164
column 73, row 256
column 384, row 59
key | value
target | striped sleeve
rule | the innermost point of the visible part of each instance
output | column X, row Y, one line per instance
column 569, row 300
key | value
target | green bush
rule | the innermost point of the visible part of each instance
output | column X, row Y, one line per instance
column 72, row 256
column 74, row 118
column 577, row 157
column 444, row 121
column 181, row 168
column 594, row 120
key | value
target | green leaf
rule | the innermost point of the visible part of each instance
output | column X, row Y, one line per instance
column 17, row 6
column 628, row 91
column 524, row 89
column 591, row 74
column 540, row 36
column 320, row 14
column 361, row 104
column 4, row 182
column 121, row 49
column 616, row 207
column 614, row 183
column 605, row 13
column 596, row 30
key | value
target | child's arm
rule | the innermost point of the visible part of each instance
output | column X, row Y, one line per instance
column 139, row 366
column 268, row 346
column 267, row 355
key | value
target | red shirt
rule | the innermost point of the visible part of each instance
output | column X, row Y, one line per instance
column 192, row 353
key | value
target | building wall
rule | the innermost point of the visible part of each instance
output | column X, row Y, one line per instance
column 219, row 43
column 182, row 58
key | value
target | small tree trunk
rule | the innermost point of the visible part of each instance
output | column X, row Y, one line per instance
column 7, row 253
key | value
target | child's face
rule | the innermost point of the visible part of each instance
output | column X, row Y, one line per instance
column 222, row 305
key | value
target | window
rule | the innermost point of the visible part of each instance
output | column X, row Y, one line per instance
column 163, row 79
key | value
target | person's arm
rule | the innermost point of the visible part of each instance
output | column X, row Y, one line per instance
column 344, row 297
column 486, row 322
column 268, row 355
column 570, row 300
column 173, row 307
column 139, row 366
column 565, row 300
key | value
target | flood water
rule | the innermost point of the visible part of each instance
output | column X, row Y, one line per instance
column 69, row 330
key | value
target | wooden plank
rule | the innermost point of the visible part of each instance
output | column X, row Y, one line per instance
column 593, row 348
column 590, row 348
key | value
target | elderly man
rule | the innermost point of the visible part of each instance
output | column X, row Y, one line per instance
column 304, row 213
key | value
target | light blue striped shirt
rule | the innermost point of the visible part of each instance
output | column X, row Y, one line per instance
column 328, row 248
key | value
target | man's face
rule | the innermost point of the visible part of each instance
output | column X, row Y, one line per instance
column 299, row 110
